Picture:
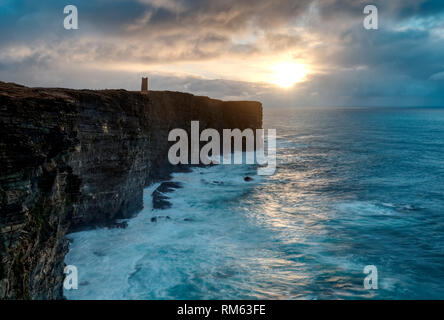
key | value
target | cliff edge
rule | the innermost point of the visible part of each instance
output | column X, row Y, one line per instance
column 76, row 158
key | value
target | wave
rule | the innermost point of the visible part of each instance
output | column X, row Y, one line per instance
column 167, row 253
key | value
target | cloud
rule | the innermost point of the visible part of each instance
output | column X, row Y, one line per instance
column 225, row 48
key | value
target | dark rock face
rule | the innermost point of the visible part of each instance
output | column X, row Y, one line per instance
column 76, row 158
column 160, row 199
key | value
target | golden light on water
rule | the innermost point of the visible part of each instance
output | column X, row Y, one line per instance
column 287, row 74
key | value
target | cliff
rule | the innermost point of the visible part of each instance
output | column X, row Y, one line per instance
column 76, row 158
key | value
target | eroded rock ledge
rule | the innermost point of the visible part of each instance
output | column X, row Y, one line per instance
column 76, row 158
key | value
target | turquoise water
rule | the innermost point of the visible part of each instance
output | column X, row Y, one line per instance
column 353, row 187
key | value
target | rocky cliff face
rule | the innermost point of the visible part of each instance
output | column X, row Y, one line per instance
column 76, row 158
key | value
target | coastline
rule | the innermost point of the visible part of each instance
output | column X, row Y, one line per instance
column 74, row 159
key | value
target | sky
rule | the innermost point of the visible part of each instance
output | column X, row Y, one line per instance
column 284, row 53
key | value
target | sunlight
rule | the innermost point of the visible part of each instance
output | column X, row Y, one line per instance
column 286, row 74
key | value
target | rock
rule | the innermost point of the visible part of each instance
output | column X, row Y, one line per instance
column 99, row 253
column 160, row 199
column 168, row 186
column 117, row 225
column 73, row 159
column 155, row 219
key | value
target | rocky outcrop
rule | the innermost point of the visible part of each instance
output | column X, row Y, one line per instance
column 71, row 159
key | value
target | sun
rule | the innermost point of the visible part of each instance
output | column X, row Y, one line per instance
column 287, row 74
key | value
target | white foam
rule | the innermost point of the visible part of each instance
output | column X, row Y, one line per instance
column 159, row 260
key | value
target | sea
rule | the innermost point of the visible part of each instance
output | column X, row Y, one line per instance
column 354, row 187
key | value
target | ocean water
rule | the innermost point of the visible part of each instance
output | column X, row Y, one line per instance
column 353, row 187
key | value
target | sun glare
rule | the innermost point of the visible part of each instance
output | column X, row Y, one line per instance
column 285, row 75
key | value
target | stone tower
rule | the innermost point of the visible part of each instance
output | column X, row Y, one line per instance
column 144, row 85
